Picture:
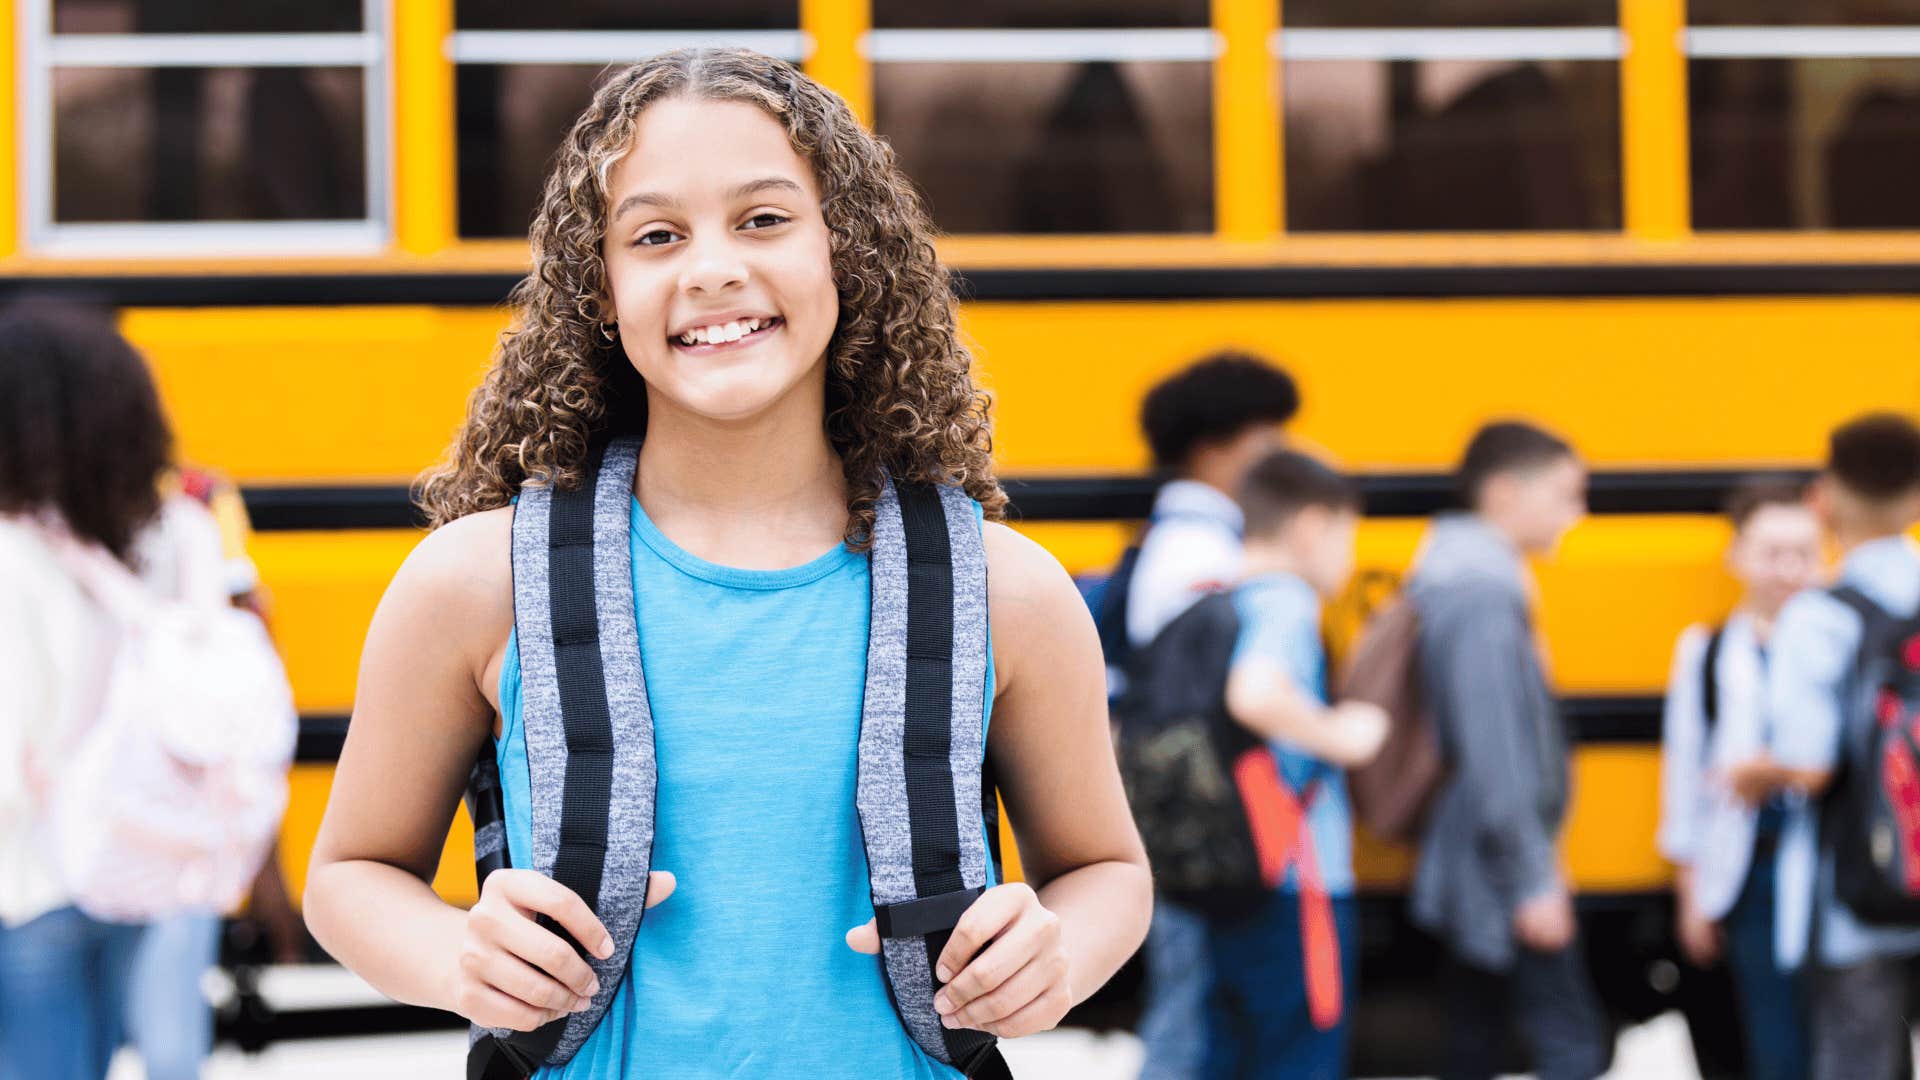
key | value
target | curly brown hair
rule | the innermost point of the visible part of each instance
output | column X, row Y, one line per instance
column 82, row 431
column 900, row 392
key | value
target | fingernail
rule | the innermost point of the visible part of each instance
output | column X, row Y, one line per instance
column 950, row 1021
column 604, row 949
column 942, row 1004
column 594, row 990
column 943, row 974
column 580, row 1004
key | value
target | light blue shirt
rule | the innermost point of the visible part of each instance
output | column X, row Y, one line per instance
column 756, row 679
column 1280, row 623
column 1812, row 659
column 1703, row 826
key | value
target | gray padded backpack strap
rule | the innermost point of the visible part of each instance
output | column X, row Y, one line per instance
column 922, row 741
column 589, row 731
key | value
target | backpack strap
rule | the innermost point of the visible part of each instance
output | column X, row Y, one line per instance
column 1874, row 619
column 1710, row 678
column 922, row 741
column 589, row 732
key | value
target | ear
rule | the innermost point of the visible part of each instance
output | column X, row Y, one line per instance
column 1820, row 499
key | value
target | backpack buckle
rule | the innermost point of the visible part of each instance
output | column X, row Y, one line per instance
column 928, row 915
column 494, row 1058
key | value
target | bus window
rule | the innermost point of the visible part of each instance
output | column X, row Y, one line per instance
column 510, row 119
column 1805, row 143
column 1803, row 12
column 1394, row 144
column 193, row 126
column 1094, row 146
column 1026, row 14
column 565, row 15
column 523, row 72
column 1398, row 13
column 204, row 144
column 206, row 16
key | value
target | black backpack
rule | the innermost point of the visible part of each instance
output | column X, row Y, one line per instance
column 1201, row 786
column 1871, row 814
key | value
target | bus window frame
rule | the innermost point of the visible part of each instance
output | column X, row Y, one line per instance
column 40, row 52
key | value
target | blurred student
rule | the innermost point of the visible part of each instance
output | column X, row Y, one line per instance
column 169, row 1018
column 1725, row 852
column 1206, row 425
column 1868, row 497
column 1489, row 882
column 83, row 447
column 1284, row 978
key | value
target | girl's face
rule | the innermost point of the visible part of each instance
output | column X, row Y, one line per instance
column 718, row 261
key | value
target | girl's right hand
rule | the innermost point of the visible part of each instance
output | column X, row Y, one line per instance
column 514, row 973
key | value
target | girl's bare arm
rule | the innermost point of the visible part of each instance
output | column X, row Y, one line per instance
column 421, row 714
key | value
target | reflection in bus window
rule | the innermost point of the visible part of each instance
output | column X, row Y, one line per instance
column 209, row 144
column 1806, row 144
column 1054, row 147
column 1452, row 145
column 511, row 119
column 1803, row 12
column 626, row 15
column 205, row 16
column 1029, row 14
column 1430, row 13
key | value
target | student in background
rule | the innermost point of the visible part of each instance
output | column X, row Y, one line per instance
column 1724, row 851
column 1284, row 978
column 83, row 447
column 1868, row 497
column 1206, row 425
column 1489, row 883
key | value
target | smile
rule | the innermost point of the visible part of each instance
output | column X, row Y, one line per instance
column 739, row 332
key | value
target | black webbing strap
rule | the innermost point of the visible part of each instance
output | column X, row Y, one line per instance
column 487, row 807
column 1710, row 679
column 931, row 813
column 587, row 792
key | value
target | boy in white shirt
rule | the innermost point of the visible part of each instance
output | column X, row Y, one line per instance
column 1725, row 852
column 1208, row 426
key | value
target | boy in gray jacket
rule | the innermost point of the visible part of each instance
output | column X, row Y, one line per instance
column 1489, row 883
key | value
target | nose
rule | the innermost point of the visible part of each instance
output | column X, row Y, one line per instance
column 713, row 264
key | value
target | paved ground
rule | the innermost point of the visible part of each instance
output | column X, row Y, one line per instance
column 1653, row 1051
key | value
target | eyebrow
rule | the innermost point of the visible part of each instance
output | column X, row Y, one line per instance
column 736, row 193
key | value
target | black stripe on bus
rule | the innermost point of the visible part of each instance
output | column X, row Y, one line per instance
column 1596, row 720
column 490, row 288
column 1073, row 498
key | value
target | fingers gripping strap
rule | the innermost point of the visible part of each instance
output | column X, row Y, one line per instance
column 588, row 728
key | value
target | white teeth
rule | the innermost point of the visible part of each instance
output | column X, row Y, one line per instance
column 721, row 333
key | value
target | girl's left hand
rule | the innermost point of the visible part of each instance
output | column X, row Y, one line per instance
column 1018, row 985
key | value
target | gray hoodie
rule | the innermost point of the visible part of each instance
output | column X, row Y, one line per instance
column 1492, row 837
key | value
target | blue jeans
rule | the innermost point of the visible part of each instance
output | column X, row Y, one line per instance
column 63, row 984
column 1773, row 1004
column 1173, row 1025
column 169, row 1020
column 1258, row 1024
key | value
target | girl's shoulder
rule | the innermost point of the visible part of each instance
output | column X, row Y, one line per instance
column 463, row 573
column 1029, row 595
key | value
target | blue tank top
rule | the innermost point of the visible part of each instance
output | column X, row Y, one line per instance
column 756, row 679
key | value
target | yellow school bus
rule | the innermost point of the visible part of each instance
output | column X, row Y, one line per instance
column 1677, row 234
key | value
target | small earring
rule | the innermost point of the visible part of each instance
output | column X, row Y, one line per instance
column 610, row 331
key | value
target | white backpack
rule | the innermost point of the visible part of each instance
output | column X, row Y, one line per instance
column 170, row 801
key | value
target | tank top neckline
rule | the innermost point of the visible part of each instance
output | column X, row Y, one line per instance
column 734, row 577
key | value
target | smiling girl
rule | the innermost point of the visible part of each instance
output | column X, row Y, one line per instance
column 725, row 262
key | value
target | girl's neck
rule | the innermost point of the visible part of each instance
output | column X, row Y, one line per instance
column 764, row 493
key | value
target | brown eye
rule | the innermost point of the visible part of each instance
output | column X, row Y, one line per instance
column 655, row 238
column 766, row 221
